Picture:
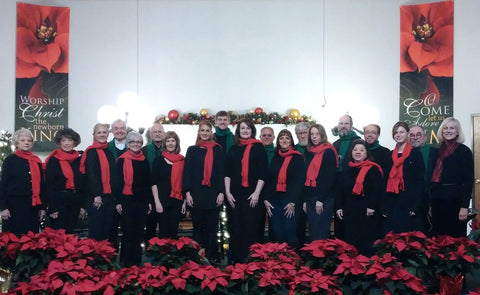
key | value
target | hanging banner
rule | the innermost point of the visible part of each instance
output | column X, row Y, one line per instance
column 41, row 98
column 426, row 65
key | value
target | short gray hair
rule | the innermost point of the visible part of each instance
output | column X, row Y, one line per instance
column 301, row 126
column 133, row 136
column 21, row 132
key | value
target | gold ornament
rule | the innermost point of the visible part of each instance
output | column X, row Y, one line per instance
column 203, row 112
column 294, row 114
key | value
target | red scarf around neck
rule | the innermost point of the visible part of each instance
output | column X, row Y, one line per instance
column 316, row 163
column 246, row 157
column 395, row 181
column 208, row 162
column 128, row 157
column 364, row 168
column 65, row 159
column 178, row 162
column 446, row 150
column 104, row 165
column 282, row 174
column 33, row 161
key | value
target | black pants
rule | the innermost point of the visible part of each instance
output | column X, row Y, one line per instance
column 100, row 220
column 205, row 226
column 134, row 214
column 68, row 206
column 168, row 221
column 23, row 216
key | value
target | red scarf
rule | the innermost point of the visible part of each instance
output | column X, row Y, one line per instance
column 316, row 163
column 178, row 162
column 33, row 161
column 395, row 181
column 104, row 165
column 208, row 162
column 282, row 174
column 65, row 159
column 128, row 157
column 246, row 157
column 446, row 150
column 364, row 167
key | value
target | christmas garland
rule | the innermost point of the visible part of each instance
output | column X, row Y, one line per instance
column 257, row 115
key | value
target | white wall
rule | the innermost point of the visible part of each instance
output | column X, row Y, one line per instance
column 240, row 54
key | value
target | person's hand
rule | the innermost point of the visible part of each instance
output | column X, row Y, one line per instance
column 462, row 214
column 119, row 209
column 318, row 207
column 231, row 200
column 340, row 214
column 220, row 199
column 82, row 214
column 268, row 207
column 289, row 210
column 158, row 207
column 54, row 215
column 5, row 214
column 41, row 214
column 370, row 212
column 184, row 208
column 253, row 199
column 189, row 199
column 97, row 202
column 304, row 207
column 149, row 209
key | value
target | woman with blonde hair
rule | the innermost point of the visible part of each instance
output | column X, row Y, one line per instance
column 452, row 181
column 203, row 185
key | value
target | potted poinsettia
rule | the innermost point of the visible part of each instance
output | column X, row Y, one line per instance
column 173, row 253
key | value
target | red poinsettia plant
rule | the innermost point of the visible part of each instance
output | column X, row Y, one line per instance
column 173, row 253
column 325, row 254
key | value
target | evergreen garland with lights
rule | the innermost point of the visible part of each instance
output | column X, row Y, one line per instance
column 6, row 146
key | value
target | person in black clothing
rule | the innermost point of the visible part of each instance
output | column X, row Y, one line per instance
column 418, row 139
column 132, row 204
column 151, row 151
column 452, row 181
column 21, row 187
column 321, row 162
column 358, row 198
column 379, row 154
column 98, row 165
column 64, row 182
column 167, row 174
column 405, row 184
column 285, row 181
column 245, row 177
column 203, row 185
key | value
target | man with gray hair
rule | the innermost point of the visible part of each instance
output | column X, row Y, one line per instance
column 117, row 145
column 301, row 130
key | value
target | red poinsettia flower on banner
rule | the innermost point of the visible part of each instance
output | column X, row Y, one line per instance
column 426, row 38
column 42, row 39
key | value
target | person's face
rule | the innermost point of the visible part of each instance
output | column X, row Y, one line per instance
column 157, row 133
column 370, row 134
column 359, row 153
column 119, row 130
column 101, row 135
column 67, row 144
column 450, row 131
column 24, row 143
column 344, row 126
column 400, row 135
column 135, row 146
column 171, row 144
column 302, row 136
column 205, row 132
column 285, row 142
column 315, row 136
column 267, row 136
column 417, row 137
column 245, row 131
column 222, row 122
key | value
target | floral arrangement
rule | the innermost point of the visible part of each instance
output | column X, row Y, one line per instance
column 174, row 253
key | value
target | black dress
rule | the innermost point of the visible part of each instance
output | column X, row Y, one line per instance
column 16, row 196
column 67, row 202
column 204, row 211
column 169, row 219
column 452, row 193
column 246, row 221
column 360, row 230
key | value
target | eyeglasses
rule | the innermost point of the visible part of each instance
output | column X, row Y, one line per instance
column 136, row 142
column 415, row 135
column 266, row 135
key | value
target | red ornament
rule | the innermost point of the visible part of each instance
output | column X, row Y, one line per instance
column 300, row 119
column 258, row 111
column 173, row 115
